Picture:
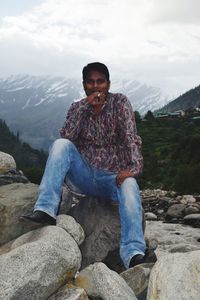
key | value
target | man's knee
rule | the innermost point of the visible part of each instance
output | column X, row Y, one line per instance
column 61, row 145
column 130, row 182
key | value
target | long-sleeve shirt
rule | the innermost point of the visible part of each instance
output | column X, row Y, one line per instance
column 107, row 140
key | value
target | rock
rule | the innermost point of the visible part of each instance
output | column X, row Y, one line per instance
column 72, row 227
column 184, row 248
column 170, row 236
column 15, row 199
column 138, row 278
column 11, row 177
column 99, row 219
column 175, row 276
column 175, row 211
column 193, row 219
column 7, row 162
column 98, row 281
column 69, row 292
column 191, row 210
column 187, row 199
column 100, row 222
column 150, row 216
column 41, row 261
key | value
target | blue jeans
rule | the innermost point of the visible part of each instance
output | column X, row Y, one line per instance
column 65, row 164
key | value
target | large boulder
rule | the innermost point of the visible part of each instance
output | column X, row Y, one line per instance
column 15, row 199
column 138, row 279
column 98, row 281
column 7, row 162
column 175, row 276
column 69, row 224
column 101, row 224
column 39, row 263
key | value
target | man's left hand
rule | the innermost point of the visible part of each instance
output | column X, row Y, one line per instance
column 122, row 175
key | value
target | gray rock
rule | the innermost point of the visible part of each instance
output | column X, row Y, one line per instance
column 175, row 211
column 98, row 281
column 41, row 261
column 11, row 177
column 69, row 292
column 15, row 199
column 99, row 219
column 69, row 224
column 150, row 216
column 160, row 211
column 193, row 219
column 100, row 222
column 191, row 210
column 138, row 277
column 175, row 276
column 7, row 162
column 187, row 199
column 184, row 248
column 170, row 236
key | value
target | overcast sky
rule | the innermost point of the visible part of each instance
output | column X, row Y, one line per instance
column 156, row 42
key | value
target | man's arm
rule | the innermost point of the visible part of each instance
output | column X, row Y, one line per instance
column 77, row 113
column 132, row 142
column 72, row 126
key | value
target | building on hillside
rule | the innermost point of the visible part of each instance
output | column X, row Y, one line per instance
column 170, row 115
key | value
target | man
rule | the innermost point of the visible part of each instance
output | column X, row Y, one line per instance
column 99, row 154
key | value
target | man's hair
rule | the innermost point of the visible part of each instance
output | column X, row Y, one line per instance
column 95, row 66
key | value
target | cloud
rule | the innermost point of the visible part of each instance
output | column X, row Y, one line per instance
column 174, row 11
column 155, row 41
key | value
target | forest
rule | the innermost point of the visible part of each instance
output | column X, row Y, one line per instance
column 171, row 151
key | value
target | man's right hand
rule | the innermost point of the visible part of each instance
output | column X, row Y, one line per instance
column 96, row 99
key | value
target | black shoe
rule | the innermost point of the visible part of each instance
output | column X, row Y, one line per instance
column 39, row 217
column 149, row 257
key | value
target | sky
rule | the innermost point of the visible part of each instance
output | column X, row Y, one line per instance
column 156, row 42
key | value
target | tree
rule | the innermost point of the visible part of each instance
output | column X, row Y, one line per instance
column 137, row 117
column 149, row 116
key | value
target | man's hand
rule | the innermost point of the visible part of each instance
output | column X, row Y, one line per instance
column 122, row 175
column 96, row 99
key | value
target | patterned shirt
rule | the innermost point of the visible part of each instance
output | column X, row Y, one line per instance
column 107, row 140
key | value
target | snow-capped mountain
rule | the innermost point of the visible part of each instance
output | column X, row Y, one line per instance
column 36, row 106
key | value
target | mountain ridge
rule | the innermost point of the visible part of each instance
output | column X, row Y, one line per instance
column 36, row 106
column 188, row 100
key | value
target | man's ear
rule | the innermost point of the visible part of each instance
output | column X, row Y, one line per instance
column 109, row 83
column 83, row 83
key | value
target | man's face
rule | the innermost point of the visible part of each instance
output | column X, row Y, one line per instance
column 96, row 82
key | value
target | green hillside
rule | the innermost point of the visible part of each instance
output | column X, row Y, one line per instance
column 29, row 160
column 189, row 100
column 171, row 150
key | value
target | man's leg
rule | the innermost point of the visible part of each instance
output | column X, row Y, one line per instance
column 131, row 214
column 63, row 157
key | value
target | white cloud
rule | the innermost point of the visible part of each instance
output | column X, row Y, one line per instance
column 157, row 42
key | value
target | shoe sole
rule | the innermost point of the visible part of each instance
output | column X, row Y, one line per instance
column 27, row 220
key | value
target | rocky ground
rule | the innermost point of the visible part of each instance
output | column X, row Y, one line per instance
column 78, row 259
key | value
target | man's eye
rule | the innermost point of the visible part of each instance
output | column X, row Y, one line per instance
column 98, row 81
column 89, row 81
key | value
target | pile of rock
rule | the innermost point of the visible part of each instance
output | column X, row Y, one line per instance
column 8, row 172
column 77, row 258
column 170, row 207
column 44, row 263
